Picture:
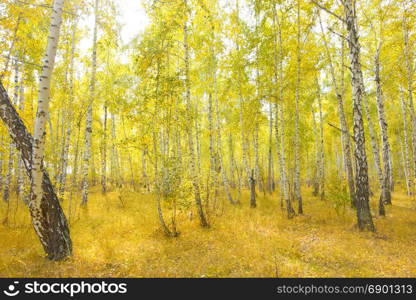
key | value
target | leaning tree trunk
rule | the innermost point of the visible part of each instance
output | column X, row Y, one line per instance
column 88, row 127
column 49, row 220
column 345, row 136
column 365, row 220
column 386, row 194
column 192, row 166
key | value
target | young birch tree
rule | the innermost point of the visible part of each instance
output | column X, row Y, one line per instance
column 88, row 127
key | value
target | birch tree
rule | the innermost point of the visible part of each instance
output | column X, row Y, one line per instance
column 43, row 112
column 49, row 221
column 88, row 127
column 365, row 221
column 192, row 162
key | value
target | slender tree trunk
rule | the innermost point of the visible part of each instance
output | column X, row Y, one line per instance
column 289, row 208
column 365, row 221
column 233, row 164
column 88, row 127
column 76, row 157
column 257, row 176
column 406, row 151
column 19, row 169
column 8, row 182
column 144, row 171
column 10, row 166
column 257, row 171
column 252, row 180
column 316, row 178
column 104, row 155
column 129, row 157
column 67, row 141
column 270, row 173
column 276, row 119
column 212, row 161
column 114, row 153
column 409, row 76
column 198, row 142
column 244, row 149
column 322, row 149
column 280, row 136
column 297, row 139
column 376, row 156
column 192, row 166
column 386, row 194
column 163, row 224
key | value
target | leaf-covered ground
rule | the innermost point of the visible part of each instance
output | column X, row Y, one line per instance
column 118, row 235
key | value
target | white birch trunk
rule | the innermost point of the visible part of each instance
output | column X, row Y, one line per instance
column 386, row 195
column 365, row 221
column 406, row 151
column 192, row 163
column 409, row 76
column 321, row 144
column 43, row 110
column 297, row 138
column 88, row 127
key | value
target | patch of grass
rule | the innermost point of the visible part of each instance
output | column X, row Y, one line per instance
column 114, row 239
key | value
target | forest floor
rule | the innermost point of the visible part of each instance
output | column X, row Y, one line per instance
column 114, row 238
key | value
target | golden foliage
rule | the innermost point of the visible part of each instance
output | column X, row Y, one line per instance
column 121, row 239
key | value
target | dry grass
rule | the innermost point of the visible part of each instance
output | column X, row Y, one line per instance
column 115, row 240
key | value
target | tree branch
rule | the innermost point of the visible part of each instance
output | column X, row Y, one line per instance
column 328, row 11
column 343, row 131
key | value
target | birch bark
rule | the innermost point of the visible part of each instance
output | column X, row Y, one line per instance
column 365, row 221
column 192, row 163
column 88, row 127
